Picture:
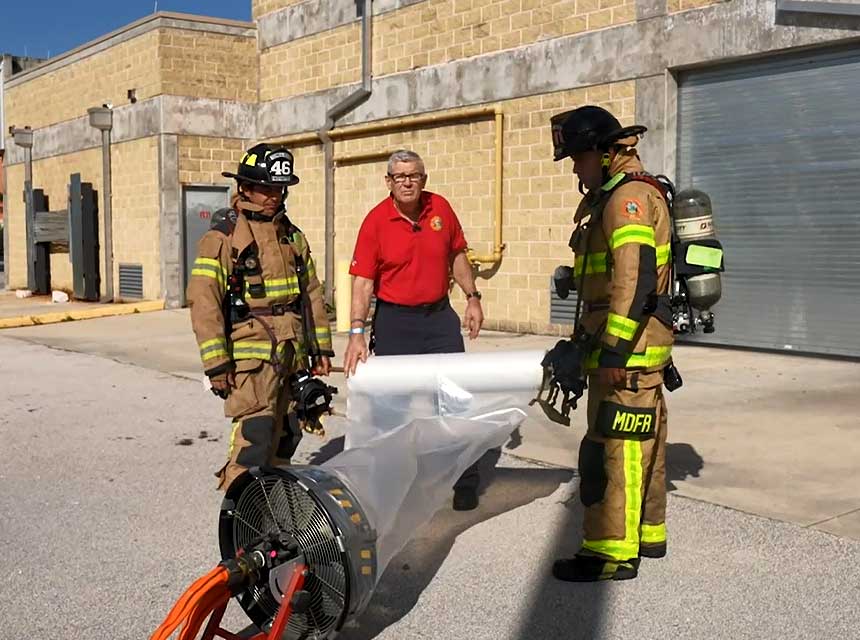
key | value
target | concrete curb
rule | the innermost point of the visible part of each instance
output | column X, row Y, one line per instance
column 82, row 314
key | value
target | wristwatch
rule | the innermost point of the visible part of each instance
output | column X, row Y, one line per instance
column 474, row 294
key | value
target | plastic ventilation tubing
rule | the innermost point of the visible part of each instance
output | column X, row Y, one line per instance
column 416, row 423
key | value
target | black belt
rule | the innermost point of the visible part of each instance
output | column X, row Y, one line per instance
column 278, row 309
column 591, row 307
column 430, row 306
column 659, row 307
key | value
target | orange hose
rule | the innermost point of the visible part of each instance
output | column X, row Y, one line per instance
column 188, row 602
column 190, row 609
column 184, row 605
column 202, row 611
column 190, row 594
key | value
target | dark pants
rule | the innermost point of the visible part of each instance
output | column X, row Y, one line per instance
column 401, row 331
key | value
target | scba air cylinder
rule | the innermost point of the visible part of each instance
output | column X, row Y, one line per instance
column 694, row 223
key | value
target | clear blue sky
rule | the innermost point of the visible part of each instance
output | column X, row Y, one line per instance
column 37, row 27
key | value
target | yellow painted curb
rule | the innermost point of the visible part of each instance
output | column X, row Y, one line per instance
column 82, row 314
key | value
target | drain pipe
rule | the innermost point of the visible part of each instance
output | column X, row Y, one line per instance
column 332, row 115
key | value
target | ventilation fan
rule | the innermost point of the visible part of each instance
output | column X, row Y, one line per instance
column 313, row 512
column 302, row 547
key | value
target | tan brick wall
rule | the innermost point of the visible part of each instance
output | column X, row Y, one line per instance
column 673, row 6
column 325, row 60
column 306, row 201
column 208, row 65
column 52, row 176
column 136, row 205
column 68, row 92
column 429, row 33
column 262, row 7
column 540, row 196
column 202, row 159
column 135, row 209
column 13, row 227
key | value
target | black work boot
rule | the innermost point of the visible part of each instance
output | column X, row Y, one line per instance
column 653, row 550
column 465, row 499
column 583, row 568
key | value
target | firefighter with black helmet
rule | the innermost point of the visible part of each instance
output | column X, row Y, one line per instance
column 258, row 314
column 622, row 276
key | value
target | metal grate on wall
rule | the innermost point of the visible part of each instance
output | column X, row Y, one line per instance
column 561, row 311
column 131, row 281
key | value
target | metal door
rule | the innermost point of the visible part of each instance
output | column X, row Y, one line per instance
column 775, row 145
column 198, row 205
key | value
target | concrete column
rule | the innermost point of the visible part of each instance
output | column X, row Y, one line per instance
column 172, row 263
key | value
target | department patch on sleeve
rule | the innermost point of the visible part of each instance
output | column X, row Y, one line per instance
column 632, row 209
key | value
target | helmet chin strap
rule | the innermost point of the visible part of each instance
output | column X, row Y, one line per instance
column 246, row 206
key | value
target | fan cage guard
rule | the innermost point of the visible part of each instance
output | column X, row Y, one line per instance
column 306, row 503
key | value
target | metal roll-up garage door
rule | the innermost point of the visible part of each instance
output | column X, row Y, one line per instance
column 776, row 144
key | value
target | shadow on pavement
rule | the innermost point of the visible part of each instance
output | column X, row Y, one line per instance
column 409, row 573
column 682, row 461
column 577, row 611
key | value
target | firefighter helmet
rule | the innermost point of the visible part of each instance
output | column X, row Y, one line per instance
column 266, row 165
column 587, row 128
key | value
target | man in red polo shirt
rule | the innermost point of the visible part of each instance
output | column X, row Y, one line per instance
column 407, row 248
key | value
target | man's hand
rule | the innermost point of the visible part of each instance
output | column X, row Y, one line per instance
column 356, row 350
column 223, row 383
column 323, row 366
column 612, row 377
column 474, row 317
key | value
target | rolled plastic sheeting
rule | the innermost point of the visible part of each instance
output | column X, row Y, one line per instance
column 390, row 391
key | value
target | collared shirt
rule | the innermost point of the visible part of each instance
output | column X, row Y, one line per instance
column 408, row 262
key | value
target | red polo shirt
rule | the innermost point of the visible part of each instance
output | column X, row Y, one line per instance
column 409, row 264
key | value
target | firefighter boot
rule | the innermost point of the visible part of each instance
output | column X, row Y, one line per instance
column 586, row 568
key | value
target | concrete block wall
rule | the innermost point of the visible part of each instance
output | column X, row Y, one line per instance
column 135, row 207
column 106, row 76
column 134, row 168
column 428, row 33
column 202, row 158
column 208, row 65
column 52, row 176
column 211, row 66
column 306, row 201
column 262, row 7
column 539, row 195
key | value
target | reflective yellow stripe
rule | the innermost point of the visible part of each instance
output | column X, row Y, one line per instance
column 664, row 254
column 654, row 533
column 279, row 287
column 233, row 431
column 621, row 327
column 209, row 268
column 653, row 356
column 596, row 264
column 211, row 349
column 323, row 336
column 256, row 350
column 251, row 160
column 629, row 233
column 252, row 349
column 629, row 547
column 614, row 180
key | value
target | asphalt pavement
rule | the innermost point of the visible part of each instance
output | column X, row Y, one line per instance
column 110, row 509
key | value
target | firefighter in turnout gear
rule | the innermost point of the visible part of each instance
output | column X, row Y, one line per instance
column 252, row 279
column 622, row 275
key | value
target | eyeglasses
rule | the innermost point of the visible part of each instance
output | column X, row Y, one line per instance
column 400, row 178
